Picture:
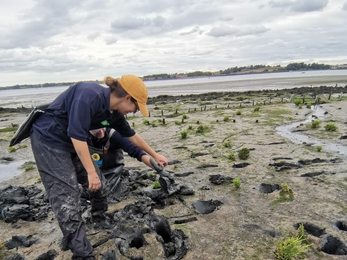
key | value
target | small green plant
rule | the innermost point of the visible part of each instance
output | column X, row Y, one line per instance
column 309, row 105
column 231, row 156
column 11, row 149
column 190, row 127
column 153, row 124
column 237, row 183
column 201, row 129
column 8, row 129
column 156, row 185
column 226, row 119
column 315, row 123
column 146, row 122
column 330, row 127
column 319, row 148
column 238, row 112
column 23, row 146
column 286, row 194
column 243, row 154
column 290, row 248
column 227, row 144
column 29, row 167
column 184, row 116
column 298, row 102
column 184, row 134
column 152, row 176
column 256, row 109
column 177, row 122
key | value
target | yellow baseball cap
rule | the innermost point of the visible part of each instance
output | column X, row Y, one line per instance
column 135, row 87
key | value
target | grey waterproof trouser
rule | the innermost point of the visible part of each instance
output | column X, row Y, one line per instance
column 60, row 173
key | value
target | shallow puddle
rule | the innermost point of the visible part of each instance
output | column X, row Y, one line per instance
column 9, row 170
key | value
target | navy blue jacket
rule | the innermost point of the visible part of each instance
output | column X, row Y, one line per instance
column 77, row 110
column 116, row 142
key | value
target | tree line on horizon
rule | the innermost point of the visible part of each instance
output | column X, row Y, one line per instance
column 229, row 71
column 244, row 69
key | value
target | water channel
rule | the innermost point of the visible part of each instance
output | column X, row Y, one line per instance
column 317, row 112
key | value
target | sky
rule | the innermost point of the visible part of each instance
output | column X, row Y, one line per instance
column 71, row 40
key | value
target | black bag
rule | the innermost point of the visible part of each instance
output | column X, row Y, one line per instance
column 23, row 131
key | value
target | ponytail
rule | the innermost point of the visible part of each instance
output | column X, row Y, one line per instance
column 115, row 86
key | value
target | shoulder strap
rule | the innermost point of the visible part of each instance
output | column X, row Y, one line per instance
column 107, row 145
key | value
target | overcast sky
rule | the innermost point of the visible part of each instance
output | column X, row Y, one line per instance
column 71, row 40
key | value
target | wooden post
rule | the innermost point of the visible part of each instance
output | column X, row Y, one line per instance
column 163, row 121
column 162, row 113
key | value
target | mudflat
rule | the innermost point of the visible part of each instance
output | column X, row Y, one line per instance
column 202, row 136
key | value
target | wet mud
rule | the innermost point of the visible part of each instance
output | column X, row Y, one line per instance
column 127, row 228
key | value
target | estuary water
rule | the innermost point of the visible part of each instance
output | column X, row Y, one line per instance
column 38, row 96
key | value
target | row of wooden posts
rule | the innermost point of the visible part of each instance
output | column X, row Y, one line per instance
column 317, row 99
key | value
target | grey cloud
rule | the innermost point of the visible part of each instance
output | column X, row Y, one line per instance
column 159, row 21
column 224, row 30
column 252, row 30
column 226, row 18
column 92, row 36
column 46, row 19
column 174, row 17
column 300, row 5
column 196, row 29
column 131, row 23
column 110, row 39
column 280, row 3
column 309, row 5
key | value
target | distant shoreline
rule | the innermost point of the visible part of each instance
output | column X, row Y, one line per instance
column 213, row 95
column 182, row 76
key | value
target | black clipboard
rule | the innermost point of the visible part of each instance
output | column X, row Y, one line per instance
column 23, row 131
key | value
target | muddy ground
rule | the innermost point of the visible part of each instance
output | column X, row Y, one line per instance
column 247, row 223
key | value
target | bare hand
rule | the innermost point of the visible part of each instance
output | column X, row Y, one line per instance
column 161, row 160
column 94, row 181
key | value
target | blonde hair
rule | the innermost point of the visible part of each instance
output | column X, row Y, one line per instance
column 115, row 86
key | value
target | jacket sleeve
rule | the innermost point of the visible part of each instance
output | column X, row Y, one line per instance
column 120, row 142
